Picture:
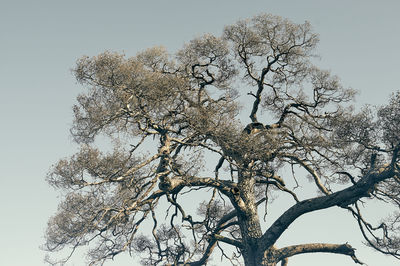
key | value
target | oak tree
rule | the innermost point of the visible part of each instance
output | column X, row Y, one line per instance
column 203, row 141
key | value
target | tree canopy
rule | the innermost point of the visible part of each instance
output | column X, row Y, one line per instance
column 201, row 143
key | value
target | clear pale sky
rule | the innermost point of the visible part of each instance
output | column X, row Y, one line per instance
column 41, row 40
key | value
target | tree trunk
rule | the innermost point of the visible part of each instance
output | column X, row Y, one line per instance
column 249, row 222
column 258, row 258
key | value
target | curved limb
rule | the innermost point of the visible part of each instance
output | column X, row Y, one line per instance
column 341, row 198
column 344, row 249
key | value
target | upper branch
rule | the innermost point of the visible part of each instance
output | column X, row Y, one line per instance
column 260, row 83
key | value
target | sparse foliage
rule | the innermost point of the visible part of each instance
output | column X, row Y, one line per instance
column 176, row 126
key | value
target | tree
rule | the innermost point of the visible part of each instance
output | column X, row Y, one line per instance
column 176, row 131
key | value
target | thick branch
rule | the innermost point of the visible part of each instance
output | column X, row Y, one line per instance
column 341, row 198
column 344, row 249
column 253, row 114
column 227, row 240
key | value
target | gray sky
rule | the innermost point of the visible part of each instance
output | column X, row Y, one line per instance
column 41, row 40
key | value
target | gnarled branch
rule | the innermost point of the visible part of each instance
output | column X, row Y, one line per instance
column 344, row 249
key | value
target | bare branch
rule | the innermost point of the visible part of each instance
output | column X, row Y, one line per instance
column 344, row 249
column 341, row 198
column 309, row 169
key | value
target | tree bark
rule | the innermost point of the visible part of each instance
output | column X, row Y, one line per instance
column 248, row 219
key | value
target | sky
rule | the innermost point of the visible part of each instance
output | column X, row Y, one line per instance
column 41, row 40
